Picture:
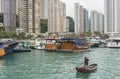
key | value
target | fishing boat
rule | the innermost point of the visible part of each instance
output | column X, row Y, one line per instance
column 20, row 48
column 10, row 47
column 90, row 68
column 73, row 45
column 102, row 44
column 40, row 47
column 32, row 47
column 66, row 45
column 113, row 42
column 51, row 44
column 95, row 41
column 2, row 51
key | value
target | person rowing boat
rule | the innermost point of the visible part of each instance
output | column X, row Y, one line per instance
column 86, row 60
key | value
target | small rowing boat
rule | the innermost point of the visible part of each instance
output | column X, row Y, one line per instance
column 90, row 68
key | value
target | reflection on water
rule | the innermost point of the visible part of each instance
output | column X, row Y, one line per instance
column 2, row 61
column 82, row 75
column 2, row 67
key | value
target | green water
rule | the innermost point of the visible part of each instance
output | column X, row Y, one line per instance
column 57, row 65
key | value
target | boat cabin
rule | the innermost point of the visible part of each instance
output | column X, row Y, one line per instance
column 66, row 44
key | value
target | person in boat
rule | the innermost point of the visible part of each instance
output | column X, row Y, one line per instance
column 86, row 60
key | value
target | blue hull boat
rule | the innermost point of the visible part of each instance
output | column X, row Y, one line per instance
column 10, row 47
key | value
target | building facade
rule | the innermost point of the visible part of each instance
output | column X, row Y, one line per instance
column 56, row 16
column 94, row 21
column 29, row 19
column 101, row 22
column 81, row 19
column 0, row 6
column 97, row 22
column 62, row 17
column 9, row 13
column 67, row 25
column 112, row 16
column 76, row 17
column 86, row 21
column 43, row 8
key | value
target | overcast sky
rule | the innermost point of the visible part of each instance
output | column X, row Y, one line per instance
column 0, row 5
column 90, row 5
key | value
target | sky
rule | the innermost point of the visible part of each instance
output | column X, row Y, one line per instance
column 0, row 5
column 90, row 5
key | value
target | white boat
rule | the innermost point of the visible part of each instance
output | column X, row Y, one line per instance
column 40, row 44
column 113, row 43
column 95, row 41
column 40, row 47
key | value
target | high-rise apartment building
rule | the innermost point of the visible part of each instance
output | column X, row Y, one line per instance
column 43, row 8
column 76, row 17
column 112, row 16
column 86, row 21
column 0, row 6
column 67, row 24
column 97, row 21
column 23, row 14
column 16, row 7
column 29, row 19
column 62, row 15
column 94, row 21
column 81, row 19
column 9, row 13
column 56, row 16
column 101, row 22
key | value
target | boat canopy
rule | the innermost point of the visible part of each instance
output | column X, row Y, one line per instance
column 1, row 43
column 77, row 41
column 71, row 39
column 67, row 39
column 51, row 39
column 1, row 46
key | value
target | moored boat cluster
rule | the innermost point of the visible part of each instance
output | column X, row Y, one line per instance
column 57, row 44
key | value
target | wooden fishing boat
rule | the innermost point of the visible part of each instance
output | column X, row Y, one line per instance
column 90, row 68
column 51, row 45
column 73, row 44
column 2, row 52
column 66, row 45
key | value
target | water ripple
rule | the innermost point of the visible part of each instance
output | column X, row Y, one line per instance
column 40, row 64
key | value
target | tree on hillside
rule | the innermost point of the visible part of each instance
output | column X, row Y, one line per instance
column 10, row 34
column 71, row 24
column 43, row 25
column 1, row 17
column 21, row 35
column 17, row 21
column 2, row 29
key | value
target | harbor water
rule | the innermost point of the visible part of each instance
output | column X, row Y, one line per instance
column 40, row 64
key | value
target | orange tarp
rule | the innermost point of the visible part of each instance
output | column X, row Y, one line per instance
column 2, row 52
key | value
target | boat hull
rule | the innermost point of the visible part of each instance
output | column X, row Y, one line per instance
column 88, row 69
column 2, row 52
column 21, row 50
column 10, row 47
column 40, row 48
column 95, row 45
